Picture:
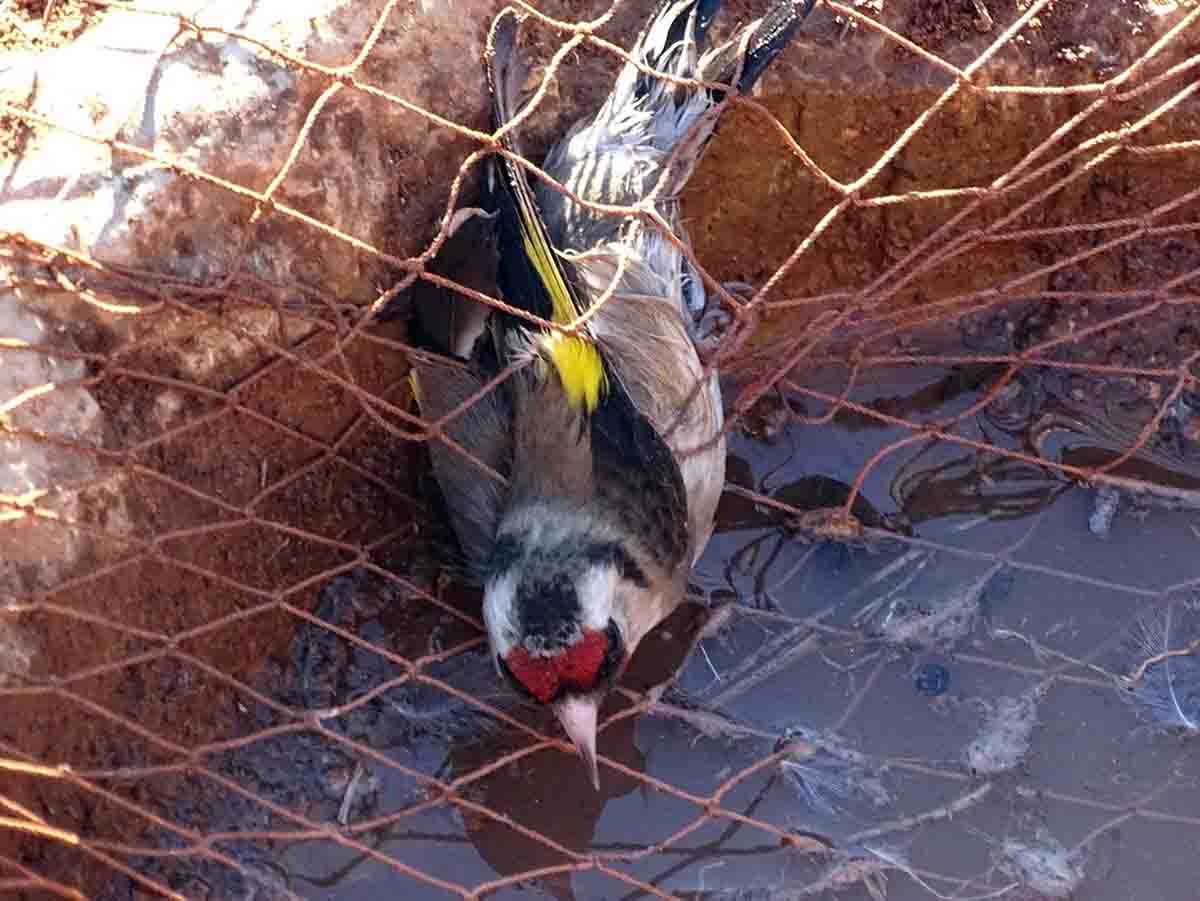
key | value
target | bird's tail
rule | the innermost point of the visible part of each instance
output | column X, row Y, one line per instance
column 671, row 42
column 532, row 273
column 745, row 56
column 675, row 39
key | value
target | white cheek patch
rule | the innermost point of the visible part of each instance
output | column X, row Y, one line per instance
column 500, row 613
column 596, row 589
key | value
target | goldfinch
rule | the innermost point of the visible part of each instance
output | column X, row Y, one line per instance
column 608, row 437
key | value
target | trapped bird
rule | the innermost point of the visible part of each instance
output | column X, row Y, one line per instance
column 610, row 437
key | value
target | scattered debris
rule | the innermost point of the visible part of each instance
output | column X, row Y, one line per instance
column 1003, row 741
column 827, row 524
column 847, row 869
column 1165, row 684
column 830, row 774
column 361, row 782
column 929, row 622
column 941, row 812
column 1044, row 865
column 1104, row 510
column 933, row 679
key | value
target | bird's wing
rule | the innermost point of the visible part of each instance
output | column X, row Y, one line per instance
column 532, row 274
column 619, row 155
column 631, row 470
column 474, row 496
column 459, row 362
column 445, row 321
column 650, row 353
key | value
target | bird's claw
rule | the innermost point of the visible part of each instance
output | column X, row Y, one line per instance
column 714, row 324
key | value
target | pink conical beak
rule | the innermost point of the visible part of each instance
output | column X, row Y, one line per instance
column 578, row 718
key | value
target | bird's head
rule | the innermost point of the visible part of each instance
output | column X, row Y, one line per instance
column 556, row 615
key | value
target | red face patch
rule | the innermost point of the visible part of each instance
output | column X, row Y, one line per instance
column 578, row 667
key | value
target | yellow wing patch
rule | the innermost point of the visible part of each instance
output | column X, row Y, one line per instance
column 574, row 357
column 579, row 368
column 542, row 256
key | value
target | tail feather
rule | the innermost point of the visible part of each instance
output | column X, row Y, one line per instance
column 618, row 155
column 676, row 34
column 531, row 272
column 767, row 36
column 506, row 71
column 671, row 41
column 647, row 111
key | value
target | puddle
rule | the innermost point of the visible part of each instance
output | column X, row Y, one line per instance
column 950, row 704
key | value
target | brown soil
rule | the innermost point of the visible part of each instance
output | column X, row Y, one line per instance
column 751, row 194
column 129, row 714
